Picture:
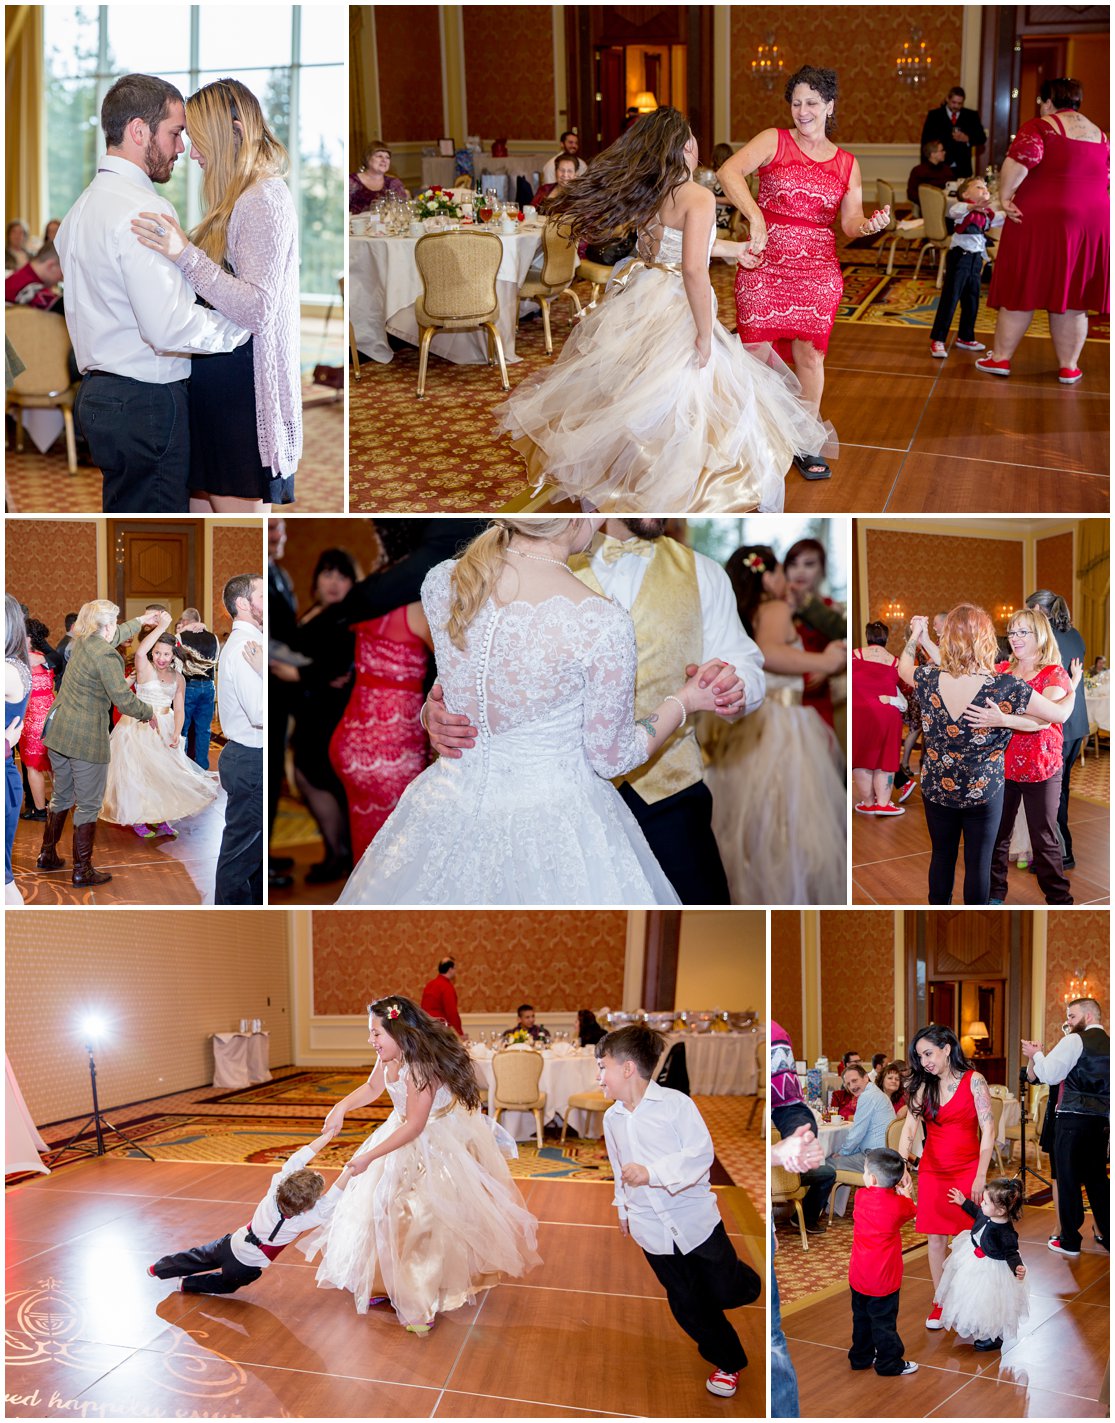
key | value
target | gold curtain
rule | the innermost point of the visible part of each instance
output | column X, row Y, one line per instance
column 1093, row 572
column 23, row 140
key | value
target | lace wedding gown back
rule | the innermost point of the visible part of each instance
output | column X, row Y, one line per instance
column 528, row 815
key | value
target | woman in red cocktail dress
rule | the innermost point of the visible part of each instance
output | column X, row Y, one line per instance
column 951, row 1099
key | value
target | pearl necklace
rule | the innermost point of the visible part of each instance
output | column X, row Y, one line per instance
column 540, row 558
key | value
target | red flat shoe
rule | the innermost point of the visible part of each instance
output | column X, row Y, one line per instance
column 1069, row 376
column 993, row 367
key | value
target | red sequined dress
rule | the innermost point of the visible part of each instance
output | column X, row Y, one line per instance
column 795, row 294
column 31, row 748
column 379, row 746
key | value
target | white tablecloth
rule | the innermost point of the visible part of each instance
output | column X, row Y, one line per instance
column 241, row 1059
column 1099, row 707
column 562, row 1078
column 831, row 1135
column 720, row 1064
column 1011, row 1115
column 22, row 1142
column 384, row 282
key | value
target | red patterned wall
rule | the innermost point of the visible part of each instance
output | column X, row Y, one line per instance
column 306, row 540
column 785, row 972
column 235, row 550
column 861, row 44
column 52, row 567
column 927, row 573
column 560, row 961
column 857, row 982
column 1054, row 565
column 509, row 64
column 408, row 50
column 1079, row 943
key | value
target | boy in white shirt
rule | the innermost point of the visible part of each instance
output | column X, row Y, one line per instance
column 296, row 1200
column 660, row 1152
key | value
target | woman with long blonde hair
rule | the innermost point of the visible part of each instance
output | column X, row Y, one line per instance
column 544, row 669
column 962, row 768
column 242, row 259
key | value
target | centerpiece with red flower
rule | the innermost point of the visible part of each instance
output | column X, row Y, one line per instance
column 437, row 202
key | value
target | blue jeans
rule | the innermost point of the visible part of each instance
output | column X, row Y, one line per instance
column 199, row 700
column 783, row 1380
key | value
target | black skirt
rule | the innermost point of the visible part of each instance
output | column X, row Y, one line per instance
column 224, row 448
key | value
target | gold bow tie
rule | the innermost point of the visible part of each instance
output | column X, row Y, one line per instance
column 615, row 549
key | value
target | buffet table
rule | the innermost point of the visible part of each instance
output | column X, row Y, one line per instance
column 720, row 1064
column 440, row 172
column 241, row 1059
column 383, row 282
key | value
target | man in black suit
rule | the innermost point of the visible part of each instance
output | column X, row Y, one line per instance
column 958, row 128
column 1074, row 732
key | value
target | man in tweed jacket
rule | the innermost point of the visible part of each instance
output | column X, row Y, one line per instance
column 77, row 730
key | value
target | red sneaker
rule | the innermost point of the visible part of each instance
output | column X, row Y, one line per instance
column 970, row 345
column 151, row 1272
column 993, row 367
column 864, row 808
column 722, row 1383
column 1069, row 376
column 889, row 810
column 938, row 349
column 934, row 1320
column 907, row 790
column 1054, row 1244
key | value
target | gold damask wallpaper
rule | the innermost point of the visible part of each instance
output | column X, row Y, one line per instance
column 857, row 982
column 235, row 550
column 785, row 972
column 862, row 45
column 509, row 71
column 52, row 567
column 1054, row 565
column 560, row 960
column 408, row 49
column 927, row 573
column 1079, row 945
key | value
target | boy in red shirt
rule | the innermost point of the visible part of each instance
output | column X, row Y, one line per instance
column 882, row 1207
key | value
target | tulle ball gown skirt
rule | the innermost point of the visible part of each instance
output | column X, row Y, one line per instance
column 627, row 420
column 148, row 782
column 980, row 1298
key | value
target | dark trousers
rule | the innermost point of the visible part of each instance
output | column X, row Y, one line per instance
column 240, row 863
column 875, row 1337
column 977, row 825
column 139, row 435
column 961, row 284
column 1070, row 750
column 280, row 705
column 679, row 832
column 198, row 700
column 1039, row 800
column 699, row 1287
column 820, row 1182
column 227, row 1274
column 1080, row 1147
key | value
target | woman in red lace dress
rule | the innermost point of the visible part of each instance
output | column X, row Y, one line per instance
column 946, row 1094
column 32, row 752
column 790, row 297
column 1056, row 247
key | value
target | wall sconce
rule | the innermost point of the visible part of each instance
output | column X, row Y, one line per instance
column 1078, row 988
column 1004, row 612
column 767, row 64
column 914, row 63
column 893, row 613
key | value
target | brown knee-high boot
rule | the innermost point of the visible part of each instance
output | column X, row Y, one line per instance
column 84, row 874
column 49, row 858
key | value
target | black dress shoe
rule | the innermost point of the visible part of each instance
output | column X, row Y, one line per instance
column 277, row 881
column 33, row 814
column 987, row 1346
column 279, row 864
column 329, row 870
column 1069, row 864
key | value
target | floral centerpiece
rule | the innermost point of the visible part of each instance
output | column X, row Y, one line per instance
column 517, row 1035
column 436, row 202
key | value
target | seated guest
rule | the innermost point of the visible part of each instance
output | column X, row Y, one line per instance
column 843, row 1102
column 872, row 1115
column 51, row 228
column 570, row 147
column 891, row 1082
column 373, row 182
column 876, row 1063
column 1098, row 666
column 33, row 284
column 16, row 253
column 565, row 170
column 932, row 171
column 788, row 1112
column 526, row 1024
column 589, row 1031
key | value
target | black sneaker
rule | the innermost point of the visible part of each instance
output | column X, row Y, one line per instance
column 818, row 1227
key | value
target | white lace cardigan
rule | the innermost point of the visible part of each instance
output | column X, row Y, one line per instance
column 261, row 294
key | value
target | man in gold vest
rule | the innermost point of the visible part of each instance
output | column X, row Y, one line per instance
column 684, row 611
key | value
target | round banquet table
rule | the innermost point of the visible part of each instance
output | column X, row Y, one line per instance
column 562, row 1078
column 241, row 1059
column 1012, row 1113
column 1098, row 702
column 383, row 283
column 720, row 1064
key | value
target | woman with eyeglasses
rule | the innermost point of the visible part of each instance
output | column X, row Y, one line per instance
column 242, row 260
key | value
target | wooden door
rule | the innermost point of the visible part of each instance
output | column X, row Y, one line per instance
column 611, row 95
column 154, row 563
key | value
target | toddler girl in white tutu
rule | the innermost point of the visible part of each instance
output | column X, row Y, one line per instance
column 432, row 1216
column 982, row 1294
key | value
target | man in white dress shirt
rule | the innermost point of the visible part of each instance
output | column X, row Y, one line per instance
column 240, row 705
column 683, row 606
column 132, row 316
column 570, row 148
column 661, row 1153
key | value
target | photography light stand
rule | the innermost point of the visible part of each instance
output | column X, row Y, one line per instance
column 1025, row 1169
column 101, row 1125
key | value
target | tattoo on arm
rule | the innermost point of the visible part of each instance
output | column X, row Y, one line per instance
column 911, row 647
column 647, row 722
column 982, row 1098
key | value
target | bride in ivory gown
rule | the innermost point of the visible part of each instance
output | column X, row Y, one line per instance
column 544, row 668
column 652, row 404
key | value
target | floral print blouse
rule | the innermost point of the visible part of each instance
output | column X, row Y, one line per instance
column 963, row 764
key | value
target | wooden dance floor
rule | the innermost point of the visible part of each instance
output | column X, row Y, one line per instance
column 1056, row 1369
column 91, row 1334
column 918, row 435
column 161, row 871
column 890, row 859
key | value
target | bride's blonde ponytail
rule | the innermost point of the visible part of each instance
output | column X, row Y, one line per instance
column 478, row 568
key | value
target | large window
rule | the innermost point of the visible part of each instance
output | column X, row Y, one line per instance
column 719, row 538
column 292, row 58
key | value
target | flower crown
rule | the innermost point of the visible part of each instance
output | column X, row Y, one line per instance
column 755, row 563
